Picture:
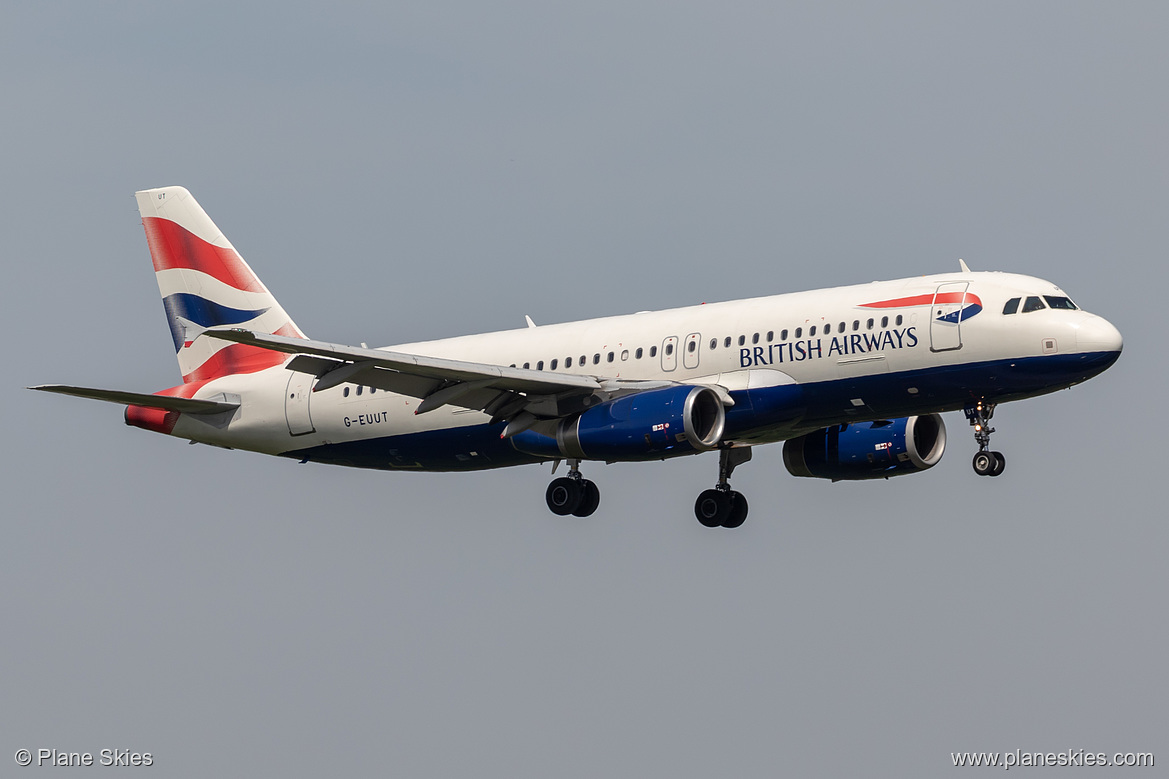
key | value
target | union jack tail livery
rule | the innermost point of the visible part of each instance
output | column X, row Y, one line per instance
column 205, row 283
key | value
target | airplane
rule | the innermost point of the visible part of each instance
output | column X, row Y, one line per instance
column 851, row 379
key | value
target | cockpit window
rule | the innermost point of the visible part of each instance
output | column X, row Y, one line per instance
column 1058, row 301
column 1032, row 304
column 1012, row 306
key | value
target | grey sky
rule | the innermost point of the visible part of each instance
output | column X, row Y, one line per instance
column 402, row 173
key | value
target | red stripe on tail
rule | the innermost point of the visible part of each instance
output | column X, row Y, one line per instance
column 172, row 246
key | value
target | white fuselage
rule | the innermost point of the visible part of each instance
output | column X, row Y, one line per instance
column 852, row 359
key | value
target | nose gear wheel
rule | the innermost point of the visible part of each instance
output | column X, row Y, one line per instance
column 986, row 462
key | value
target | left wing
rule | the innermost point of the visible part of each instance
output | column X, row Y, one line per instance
column 521, row 396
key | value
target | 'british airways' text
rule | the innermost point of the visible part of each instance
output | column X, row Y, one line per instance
column 816, row 348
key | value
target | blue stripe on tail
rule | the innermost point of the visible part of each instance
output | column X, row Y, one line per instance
column 203, row 312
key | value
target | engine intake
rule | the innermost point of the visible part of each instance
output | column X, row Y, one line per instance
column 644, row 425
column 868, row 450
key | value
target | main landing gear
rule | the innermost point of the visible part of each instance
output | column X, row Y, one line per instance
column 986, row 462
column 722, row 506
column 573, row 494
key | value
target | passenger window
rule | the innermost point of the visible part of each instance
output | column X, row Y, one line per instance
column 690, row 347
column 742, row 340
column 609, row 357
column 828, row 329
column 869, row 325
column 811, row 331
column 1012, row 306
column 624, row 355
column 653, row 351
column 372, row 390
column 583, row 362
column 713, row 343
column 359, row 389
column 527, row 366
column 783, row 335
column 540, row 365
column 345, row 392
column 1057, row 301
column 840, row 328
column 1032, row 304
column 856, row 324
column 755, row 338
column 770, row 336
column 596, row 358
column 669, row 349
column 799, row 332
column 637, row 354
column 884, row 321
column 552, row 365
column 567, row 362
column 899, row 320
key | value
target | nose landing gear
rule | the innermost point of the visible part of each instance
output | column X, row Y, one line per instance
column 722, row 506
column 986, row 462
column 573, row 494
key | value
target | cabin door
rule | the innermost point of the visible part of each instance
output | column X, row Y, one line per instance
column 946, row 316
column 296, row 398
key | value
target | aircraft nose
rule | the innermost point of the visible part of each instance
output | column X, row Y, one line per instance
column 1097, row 334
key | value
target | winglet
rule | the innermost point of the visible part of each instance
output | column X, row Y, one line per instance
column 963, row 266
column 528, row 319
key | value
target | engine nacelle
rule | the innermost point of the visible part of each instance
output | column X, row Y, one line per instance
column 644, row 425
column 868, row 450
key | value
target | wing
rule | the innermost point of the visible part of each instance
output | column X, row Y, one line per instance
column 520, row 396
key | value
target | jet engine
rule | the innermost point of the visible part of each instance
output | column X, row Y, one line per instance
column 868, row 450
column 646, row 425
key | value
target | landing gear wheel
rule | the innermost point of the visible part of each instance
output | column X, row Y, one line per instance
column 712, row 508
column 589, row 500
column 738, row 513
column 564, row 496
column 984, row 463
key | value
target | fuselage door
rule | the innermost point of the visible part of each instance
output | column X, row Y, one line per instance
column 670, row 353
column 296, row 398
column 691, row 350
column 946, row 316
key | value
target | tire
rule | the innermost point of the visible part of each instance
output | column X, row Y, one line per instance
column 984, row 463
column 563, row 496
column 589, row 500
column 738, row 513
column 712, row 508
column 1000, row 464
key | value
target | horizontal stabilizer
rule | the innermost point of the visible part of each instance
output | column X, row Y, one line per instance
column 182, row 405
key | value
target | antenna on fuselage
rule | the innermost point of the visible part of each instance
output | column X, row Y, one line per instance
column 963, row 266
column 529, row 321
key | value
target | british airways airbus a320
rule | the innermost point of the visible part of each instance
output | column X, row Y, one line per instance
column 853, row 379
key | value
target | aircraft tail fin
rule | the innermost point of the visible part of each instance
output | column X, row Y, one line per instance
column 205, row 283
